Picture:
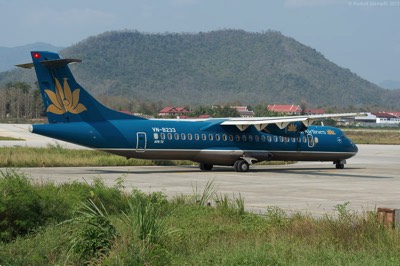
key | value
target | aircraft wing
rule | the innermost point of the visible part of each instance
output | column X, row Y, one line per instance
column 261, row 122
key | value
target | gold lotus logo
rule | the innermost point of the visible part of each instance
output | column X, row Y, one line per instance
column 292, row 128
column 64, row 100
column 330, row 132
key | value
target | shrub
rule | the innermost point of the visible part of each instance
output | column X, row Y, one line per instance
column 147, row 218
column 20, row 208
column 234, row 205
column 112, row 197
column 209, row 191
column 94, row 233
column 277, row 217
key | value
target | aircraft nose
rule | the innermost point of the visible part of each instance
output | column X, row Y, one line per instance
column 352, row 148
column 355, row 148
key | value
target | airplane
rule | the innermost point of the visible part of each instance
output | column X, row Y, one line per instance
column 77, row 117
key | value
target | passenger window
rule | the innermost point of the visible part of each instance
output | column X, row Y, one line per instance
column 231, row 137
column 237, row 138
column 294, row 140
column 263, row 138
column 162, row 135
column 176, row 135
column 250, row 137
column 210, row 137
column 287, row 139
column 183, row 136
column 190, row 137
column 224, row 137
column 275, row 139
column 304, row 139
column 217, row 137
column 256, row 138
column 203, row 137
column 169, row 136
column 155, row 135
column 196, row 136
column 244, row 138
column 281, row 139
column 269, row 139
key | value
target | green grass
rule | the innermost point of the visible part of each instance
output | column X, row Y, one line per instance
column 82, row 223
column 57, row 156
column 9, row 138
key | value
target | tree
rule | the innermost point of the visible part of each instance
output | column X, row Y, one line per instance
column 261, row 110
column 19, row 100
column 303, row 106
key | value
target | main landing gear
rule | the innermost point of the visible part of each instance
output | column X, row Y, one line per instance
column 206, row 166
column 241, row 166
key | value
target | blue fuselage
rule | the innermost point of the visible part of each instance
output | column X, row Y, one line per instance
column 204, row 141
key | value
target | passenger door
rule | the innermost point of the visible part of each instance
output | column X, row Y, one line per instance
column 141, row 141
column 310, row 140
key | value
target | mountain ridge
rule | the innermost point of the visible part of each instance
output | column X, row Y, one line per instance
column 10, row 56
column 390, row 84
column 218, row 67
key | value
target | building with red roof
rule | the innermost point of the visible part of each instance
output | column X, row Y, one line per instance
column 284, row 108
column 378, row 118
column 243, row 111
column 387, row 118
column 318, row 111
column 173, row 111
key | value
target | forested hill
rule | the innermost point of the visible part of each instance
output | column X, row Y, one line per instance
column 219, row 67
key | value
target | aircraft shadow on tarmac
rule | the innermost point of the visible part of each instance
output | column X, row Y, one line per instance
column 349, row 172
column 148, row 170
column 314, row 171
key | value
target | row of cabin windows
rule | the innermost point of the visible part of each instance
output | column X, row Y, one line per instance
column 237, row 138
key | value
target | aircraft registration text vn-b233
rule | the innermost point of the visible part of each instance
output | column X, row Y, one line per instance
column 77, row 117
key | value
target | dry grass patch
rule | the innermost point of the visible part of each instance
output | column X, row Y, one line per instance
column 373, row 136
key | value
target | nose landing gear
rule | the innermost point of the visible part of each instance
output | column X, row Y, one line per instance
column 340, row 164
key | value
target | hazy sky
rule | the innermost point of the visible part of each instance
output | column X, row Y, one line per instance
column 363, row 36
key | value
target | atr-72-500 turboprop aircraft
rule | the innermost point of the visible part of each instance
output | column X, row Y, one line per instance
column 75, row 116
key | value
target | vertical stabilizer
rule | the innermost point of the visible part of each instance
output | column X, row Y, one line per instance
column 64, row 99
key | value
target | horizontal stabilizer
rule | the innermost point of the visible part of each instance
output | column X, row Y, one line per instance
column 28, row 65
column 60, row 62
column 52, row 63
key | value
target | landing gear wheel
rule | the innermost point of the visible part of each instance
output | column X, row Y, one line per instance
column 242, row 166
column 235, row 166
column 339, row 165
column 206, row 166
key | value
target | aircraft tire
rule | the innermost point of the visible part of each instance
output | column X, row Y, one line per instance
column 339, row 166
column 206, row 166
column 235, row 166
column 242, row 166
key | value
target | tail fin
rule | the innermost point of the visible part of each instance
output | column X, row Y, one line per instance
column 64, row 99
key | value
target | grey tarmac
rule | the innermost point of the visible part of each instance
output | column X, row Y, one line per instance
column 370, row 180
